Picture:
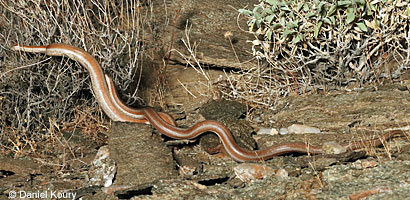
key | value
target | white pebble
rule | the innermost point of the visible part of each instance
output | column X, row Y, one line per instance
column 267, row 131
column 300, row 128
column 283, row 131
column 333, row 148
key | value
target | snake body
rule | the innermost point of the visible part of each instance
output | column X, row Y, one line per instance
column 109, row 100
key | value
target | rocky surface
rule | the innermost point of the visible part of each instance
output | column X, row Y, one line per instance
column 202, row 27
column 150, row 166
column 142, row 157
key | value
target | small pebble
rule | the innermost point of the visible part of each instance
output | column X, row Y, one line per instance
column 103, row 169
column 369, row 164
column 187, row 170
column 333, row 148
column 267, row 131
column 282, row 173
column 283, row 131
column 300, row 128
column 359, row 164
column 248, row 172
column 376, row 190
column 403, row 88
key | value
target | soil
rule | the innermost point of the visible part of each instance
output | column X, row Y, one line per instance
column 152, row 166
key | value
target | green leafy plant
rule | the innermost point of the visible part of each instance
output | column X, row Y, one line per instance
column 312, row 44
column 296, row 20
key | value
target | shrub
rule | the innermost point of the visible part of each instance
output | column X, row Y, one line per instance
column 314, row 44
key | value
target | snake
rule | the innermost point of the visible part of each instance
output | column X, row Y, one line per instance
column 117, row 110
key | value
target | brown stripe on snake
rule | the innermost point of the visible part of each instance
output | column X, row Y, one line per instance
column 117, row 110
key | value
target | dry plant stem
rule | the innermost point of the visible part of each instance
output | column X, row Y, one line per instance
column 186, row 89
column 191, row 49
column 375, row 142
column 22, row 67
column 118, row 32
column 117, row 110
column 161, row 72
column 316, row 175
column 228, row 35
column 192, row 60
column 100, row 87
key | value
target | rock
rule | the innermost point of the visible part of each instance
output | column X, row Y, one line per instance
column 300, row 128
column 248, row 172
column 103, row 169
column 333, row 148
column 229, row 113
column 142, row 157
column 283, row 131
column 282, row 173
column 373, row 191
column 267, row 131
column 208, row 23
column 362, row 164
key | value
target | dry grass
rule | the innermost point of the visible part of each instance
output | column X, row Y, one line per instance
column 42, row 97
column 389, row 148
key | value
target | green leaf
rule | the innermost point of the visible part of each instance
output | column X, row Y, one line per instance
column 267, row 11
column 332, row 10
column 344, row 3
column 369, row 10
column 276, row 25
column 317, row 28
column 306, row 7
column 372, row 8
column 333, row 19
column 281, row 3
column 282, row 21
column 361, row 2
column 281, row 13
column 269, row 18
column 299, row 7
column 287, row 32
column 362, row 26
column 292, row 25
column 256, row 8
column 297, row 38
column 268, row 35
column 350, row 16
column 257, row 15
column 291, row 15
column 272, row 2
column 285, row 8
column 378, row 22
column 258, row 22
column 327, row 20
column 361, row 7
column 245, row 12
column 310, row 14
column 321, row 6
